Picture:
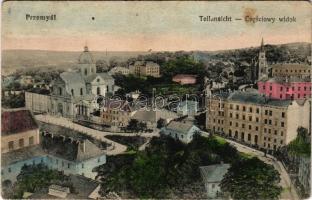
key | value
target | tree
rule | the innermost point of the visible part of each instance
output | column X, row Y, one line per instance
column 161, row 123
column 251, row 179
column 133, row 125
column 300, row 145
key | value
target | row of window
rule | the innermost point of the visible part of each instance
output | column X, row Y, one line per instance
column 288, row 88
column 295, row 71
column 21, row 143
column 269, row 140
column 244, row 108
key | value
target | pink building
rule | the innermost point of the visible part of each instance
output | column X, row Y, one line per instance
column 184, row 79
column 285, row 88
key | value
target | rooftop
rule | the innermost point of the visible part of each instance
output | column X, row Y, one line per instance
column 21, row 155
column 256, row 98
column 180, row 126
column 213, row 173
column 69, row 148
column 291, row 65
column 16, row 121
column 153, row 115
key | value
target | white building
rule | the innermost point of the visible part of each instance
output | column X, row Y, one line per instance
column 119, row 70
column 212, row 176
column 182, row 131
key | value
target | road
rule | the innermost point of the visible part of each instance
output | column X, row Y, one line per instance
column 289, row 191
column 100, row 135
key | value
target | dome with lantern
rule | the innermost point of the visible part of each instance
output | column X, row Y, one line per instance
column 85, row 57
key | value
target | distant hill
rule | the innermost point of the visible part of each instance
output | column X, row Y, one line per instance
column 16, row 59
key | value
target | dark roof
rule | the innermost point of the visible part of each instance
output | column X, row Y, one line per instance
column 21, row 155
column 83, row 187
column 17, row 121
column 70, row 149
column 256, row 98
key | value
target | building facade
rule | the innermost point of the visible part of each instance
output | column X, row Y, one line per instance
column 184, row 79
column 119, row 70
column 145, row 68
column 212, row 176
column 291, row 69
column 183, row 131
column 256, row 120
column 18, row 130
column 286, row 88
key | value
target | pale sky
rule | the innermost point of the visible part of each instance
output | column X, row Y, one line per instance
column 140, row 26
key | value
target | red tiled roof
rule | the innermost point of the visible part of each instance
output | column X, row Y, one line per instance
column 17, row 121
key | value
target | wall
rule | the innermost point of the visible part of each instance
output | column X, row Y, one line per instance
column 37, row 103
column 5, row 139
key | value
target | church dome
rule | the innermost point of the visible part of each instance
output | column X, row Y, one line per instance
column 85, row 57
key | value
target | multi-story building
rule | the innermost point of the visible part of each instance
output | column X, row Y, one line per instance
column 291, row 69
column 19, row 143
column 145, row 68
column 74, row 93
column 285, row 88
column 119, row 70
column 19, row 130
column 117, row 113
column 254, row 119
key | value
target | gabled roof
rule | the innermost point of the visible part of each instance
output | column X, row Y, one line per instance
column 213, row 173
column 16, row 121
column 68, row 149
column 182, row 127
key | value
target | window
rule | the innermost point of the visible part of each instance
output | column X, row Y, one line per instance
column 281, row 89
column 231, row 106
column 256, row 128
column 243, row 117
column 270, row 122
column 257, row 119
column 282, row 124
column 237, row 116
column 270, row 112
column 68, row 166
column 265, row 121
column 236, row 124
column 249, row 137
column 99, row 159
column 244, row 108
column 264, row 138
column 9, row 170
column 282, row 133
column 283, row 115
column 274, row 140
column 60, row 91
column 281, row 96
column 258, row 110
column 266, row 112
column 72, row 92
column 82, row 165
column 243, row 125
column 237, row 107
column 31, row 140
column 250, row 118
column 281, row 141
column 98, row 90
column 265, row 130
column 21, row 142
column 275, row 132
column 86, row 72
column 11, row 145
column 81, row 91
column 230, row 123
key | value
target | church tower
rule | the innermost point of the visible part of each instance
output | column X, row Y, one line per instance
column 262, row 63
column 86, row 63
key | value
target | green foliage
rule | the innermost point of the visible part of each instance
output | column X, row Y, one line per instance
column 301, row 145
column 13, row 101
column 251, row 179
column 161, row 123
column 167, row 165
column 136, row 126
column 35, row 177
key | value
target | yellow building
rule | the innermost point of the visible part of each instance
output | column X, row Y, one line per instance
column 291, row 69
column 18, row 130
column 145, row 68
column 253, row 119
column 116, row 113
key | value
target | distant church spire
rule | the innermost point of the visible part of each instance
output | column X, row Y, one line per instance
column 262, row 45
column 86, row 47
